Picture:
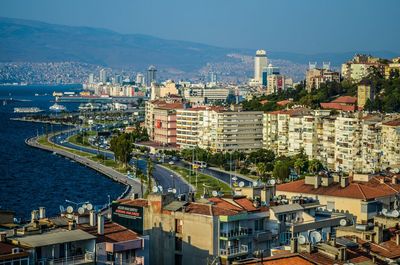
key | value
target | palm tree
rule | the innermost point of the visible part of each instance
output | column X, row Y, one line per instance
column 299, row 165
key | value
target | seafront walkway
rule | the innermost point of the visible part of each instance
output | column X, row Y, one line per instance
column 133, row 185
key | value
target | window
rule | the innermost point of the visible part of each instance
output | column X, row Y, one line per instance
column 259, row 224
column 178, row 226
column 110, row 256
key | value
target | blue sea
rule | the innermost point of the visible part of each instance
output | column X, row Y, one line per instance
column 30, row 178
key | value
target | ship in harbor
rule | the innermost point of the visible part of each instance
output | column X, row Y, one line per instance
column 27, row 110
column 57, row 107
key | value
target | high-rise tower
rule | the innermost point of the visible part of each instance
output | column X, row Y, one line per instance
column 260, row 63
column 151, row 75
column 103, row 76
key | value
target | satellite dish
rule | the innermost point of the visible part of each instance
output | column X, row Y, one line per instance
column 384, row 211
column 302, row 239
column 174, row 191
column 272, row 181
column 214, row 193
column 155, row 189
column 241, row 184
column 315, row 237
column 81, row 210
column 395, row 213
column 343, row 222
column 89, row 206
column 70, row 209
column 160, row 188
column 84, row 206
column 62, row 209
column 255, row 183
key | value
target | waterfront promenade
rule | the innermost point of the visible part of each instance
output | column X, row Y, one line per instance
column 133, row 185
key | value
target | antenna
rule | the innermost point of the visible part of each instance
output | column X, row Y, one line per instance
column 155, row 189
column 214, row 193
column 174, row 191
column 241, row 184
column 62, row 209
column 343, row 222
column 70, row 209
column 81, row 210
column 302, row 239
column 272, row 182
column 234, row 178
column 89, row 206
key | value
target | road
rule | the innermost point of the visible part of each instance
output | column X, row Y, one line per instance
column 163, row 177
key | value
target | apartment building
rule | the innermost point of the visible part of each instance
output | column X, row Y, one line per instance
column 316, row 76
column 390, row 139
column 363, row 195
column 160, row 121
column 392, row 67
column 163, row 90
column 219, row 129
column 360, row 67
column 365, row 92
column 188, row 232
column 205, row 95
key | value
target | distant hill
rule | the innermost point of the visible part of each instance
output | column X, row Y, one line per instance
column 32, row 41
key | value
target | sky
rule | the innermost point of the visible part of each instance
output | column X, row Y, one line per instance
column 302, row 26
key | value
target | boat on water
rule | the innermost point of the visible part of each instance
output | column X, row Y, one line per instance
column 27, row 110
column 57, row 107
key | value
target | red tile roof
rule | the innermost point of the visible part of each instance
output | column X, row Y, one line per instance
column 113, row 232
column 345, row 100
column 394, row 123
column 356, row 190
column 136, row 202
column 338, row 106
column 284, row 102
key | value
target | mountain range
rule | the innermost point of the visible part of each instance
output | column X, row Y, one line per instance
column 33, row 41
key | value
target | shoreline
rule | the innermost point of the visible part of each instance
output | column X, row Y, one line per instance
column 132, row 186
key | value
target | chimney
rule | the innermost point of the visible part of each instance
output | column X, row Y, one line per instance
column 342, row 254
column 100, row 224
column 71, row 225
column 394, row 179
column 317, row 182
column 34, row 216
column 293, row 245
column 344, row 182
column 378, row 229
column 42, row 212
column 398, row 239
column 92, row 218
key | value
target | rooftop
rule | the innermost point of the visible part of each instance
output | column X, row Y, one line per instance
column 357, row 190
column 113, row 232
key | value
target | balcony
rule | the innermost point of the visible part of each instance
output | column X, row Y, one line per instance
column 77, row 259
column 236, row 233
column 232, row 251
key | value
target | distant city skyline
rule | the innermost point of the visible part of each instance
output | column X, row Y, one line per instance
column 294, row 26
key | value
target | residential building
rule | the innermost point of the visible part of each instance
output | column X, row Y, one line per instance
column 161, row 91
column 11, row 254
column 188, row 232
column 390, row 139
column 275, row 83
column 160, row 121
column 316, row 76
column 205, row 95
column 360, row 67
column 363, row 195
column 392, row 67
column 343, row 103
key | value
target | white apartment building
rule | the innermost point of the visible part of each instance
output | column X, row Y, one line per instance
column 346, row 141
column 219, row 130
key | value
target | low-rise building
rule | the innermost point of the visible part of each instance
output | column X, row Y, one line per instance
column 188, row 232
column 316, row 76
column 390, row 139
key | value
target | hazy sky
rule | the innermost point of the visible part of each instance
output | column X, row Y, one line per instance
column 307, row 26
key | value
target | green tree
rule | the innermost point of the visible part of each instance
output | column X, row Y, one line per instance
column 281, row 170
column 314, row 166
column 122, row 147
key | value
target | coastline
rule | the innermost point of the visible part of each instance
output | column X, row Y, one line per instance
column 132, row 186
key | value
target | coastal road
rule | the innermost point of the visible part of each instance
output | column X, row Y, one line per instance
column 162, row 176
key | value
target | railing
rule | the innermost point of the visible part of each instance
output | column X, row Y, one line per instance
column 243, row 249
column 236, row 233
column 77, row 259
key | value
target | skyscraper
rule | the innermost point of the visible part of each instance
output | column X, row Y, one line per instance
column 151, row 75
column 140, row 79
column 91, row 78
column 103, row 76
column 260, row 62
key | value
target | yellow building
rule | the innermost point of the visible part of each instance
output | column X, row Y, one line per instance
column 362, row 195
column 391, row 143
column 365, row 92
